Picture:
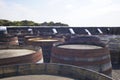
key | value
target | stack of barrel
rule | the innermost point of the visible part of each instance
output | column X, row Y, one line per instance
column 12, row 53
column 84, row 51
column 45, row 43
column 6, row 39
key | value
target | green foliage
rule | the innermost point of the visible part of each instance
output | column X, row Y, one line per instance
column 16, row 23
column 5, row 22
column 25, row 23
column 53, row 24
column 28, row 23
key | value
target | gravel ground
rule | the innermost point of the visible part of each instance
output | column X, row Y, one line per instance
column 116, row 72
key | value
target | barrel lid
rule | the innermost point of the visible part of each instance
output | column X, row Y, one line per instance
column 38, row 77
column 29, row 47
column 42, row 40
column 79, row 46
column 9, row 53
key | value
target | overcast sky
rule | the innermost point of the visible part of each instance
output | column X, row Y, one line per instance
column 72, row 12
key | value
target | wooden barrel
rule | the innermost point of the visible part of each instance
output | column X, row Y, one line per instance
column 28, row 37
column 85, row 38
column 20, row 54
column 92, row 40
column 88, row 56
column 49, row 71
column 113, row 43
column 9, row 40
column 46, row 44
column 114, row 47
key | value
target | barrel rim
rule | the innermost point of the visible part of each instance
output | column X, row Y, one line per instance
column 8, row 36
column 19, row 56
column 40, row 38
column 25, row 59
column 30, row 47
column 55, row 45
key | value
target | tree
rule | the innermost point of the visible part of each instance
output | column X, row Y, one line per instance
column 60, row 24
column 29, row 23
column 5, row 22
column 53, row 24
column 16, row 23
column 44, row 24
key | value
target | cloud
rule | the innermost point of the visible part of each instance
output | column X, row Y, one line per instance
column 69, row 6
column 101, row 2
column 2, row 4
column 106, row 14
column 72, row 12
column 16, row 11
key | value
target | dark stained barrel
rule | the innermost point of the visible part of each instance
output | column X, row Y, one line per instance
column 49, row 71
column 20, row 54
column 46, row 45
column 88, row 56
column 84, row 39
column 113, row 43
column 114, row 47
column 92, row 40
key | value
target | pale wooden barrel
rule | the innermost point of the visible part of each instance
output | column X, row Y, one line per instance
column 20, row 54
column 39, row 77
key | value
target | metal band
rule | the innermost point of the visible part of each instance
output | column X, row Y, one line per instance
column 81, row 59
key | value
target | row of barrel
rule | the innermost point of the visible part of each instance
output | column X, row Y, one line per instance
column 64, row 30
column 85, row 51
column 112, row 42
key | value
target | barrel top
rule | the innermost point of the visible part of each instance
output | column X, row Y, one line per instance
column 38, row 77
column 29, row 36
column 42, row 40
column 9, row 53
column 79, row 46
